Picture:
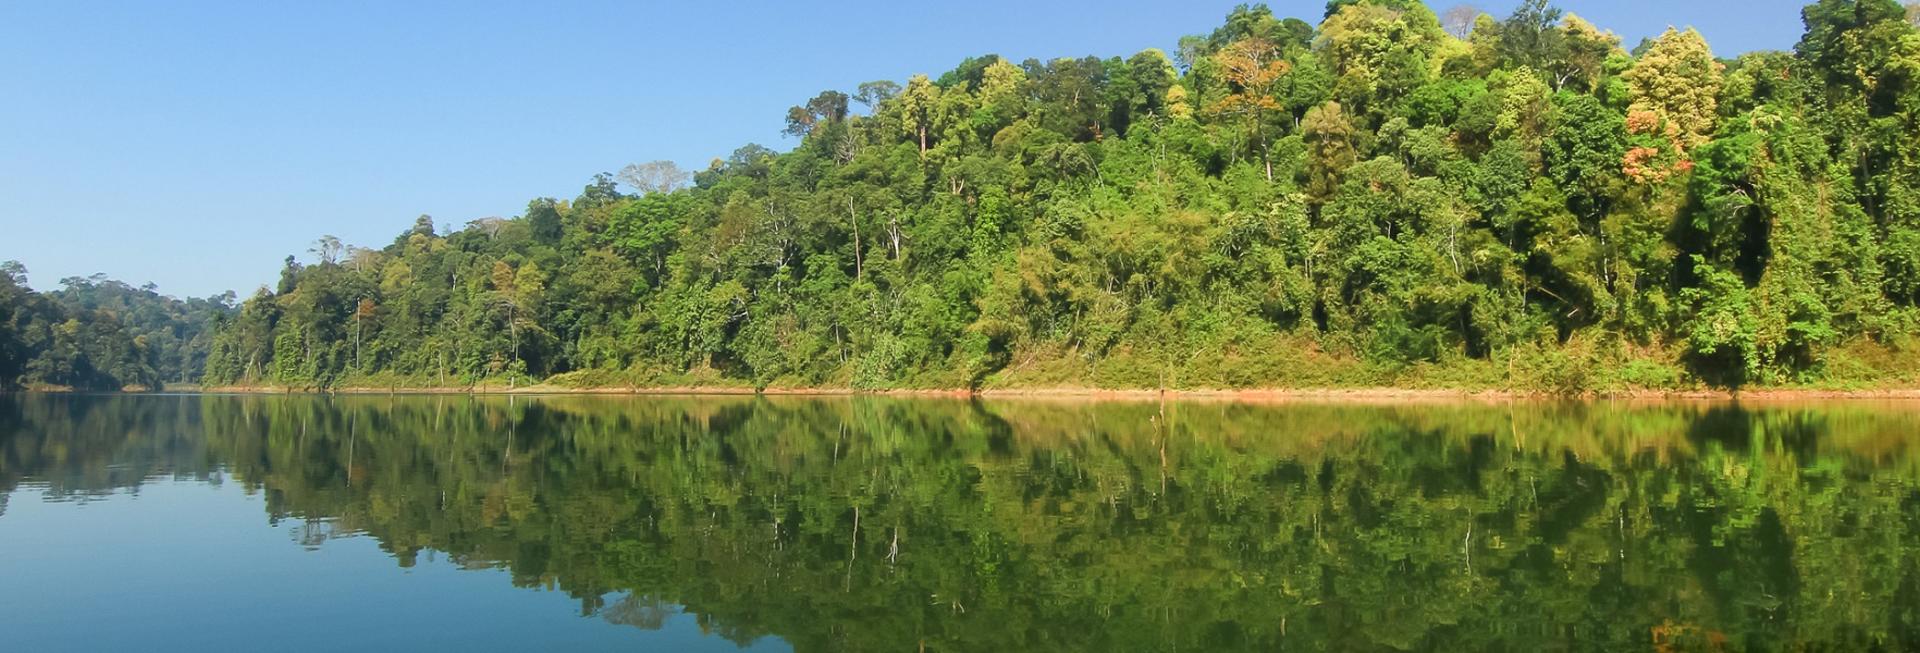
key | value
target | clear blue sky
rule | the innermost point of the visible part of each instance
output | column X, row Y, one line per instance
column 195, row 144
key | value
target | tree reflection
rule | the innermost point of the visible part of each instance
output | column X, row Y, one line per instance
column 892, row 524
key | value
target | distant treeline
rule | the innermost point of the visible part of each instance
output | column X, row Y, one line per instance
column 97, row 334
column 1389, row 197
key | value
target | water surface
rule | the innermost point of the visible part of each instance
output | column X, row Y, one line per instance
column 877, row 524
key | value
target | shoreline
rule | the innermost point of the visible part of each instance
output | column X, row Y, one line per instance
column 1246, row 395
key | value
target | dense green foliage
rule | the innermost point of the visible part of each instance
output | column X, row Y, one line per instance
column 876, row 524
column 1368, row 201
column 98, row 334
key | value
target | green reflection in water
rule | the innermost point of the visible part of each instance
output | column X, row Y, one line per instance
column 881, row 524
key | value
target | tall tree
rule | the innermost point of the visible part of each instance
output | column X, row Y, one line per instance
column 654, row 177
column 1253, row 67
column 1458, row 20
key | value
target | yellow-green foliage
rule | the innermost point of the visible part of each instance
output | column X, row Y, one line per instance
column 1366, row 202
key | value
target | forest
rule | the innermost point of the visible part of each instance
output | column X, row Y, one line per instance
column 1381, row 195
column 95, row 333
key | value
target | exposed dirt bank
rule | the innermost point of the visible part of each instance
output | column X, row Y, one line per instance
column 1386, row 395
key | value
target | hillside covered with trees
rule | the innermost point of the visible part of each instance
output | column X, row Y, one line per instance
column 1383, row 195
column 98, row 334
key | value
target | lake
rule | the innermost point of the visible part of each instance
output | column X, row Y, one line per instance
column 181, row 522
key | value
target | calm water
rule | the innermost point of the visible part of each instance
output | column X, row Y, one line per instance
column 866, row 524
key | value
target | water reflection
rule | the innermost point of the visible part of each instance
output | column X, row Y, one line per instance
column 896, row 524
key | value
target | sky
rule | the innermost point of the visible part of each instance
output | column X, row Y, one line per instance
column 194, row 145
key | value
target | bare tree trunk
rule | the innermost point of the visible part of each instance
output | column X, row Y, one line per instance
column 893, row 230
column 859, row 266
column 1266, row 152
column 893, row 550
